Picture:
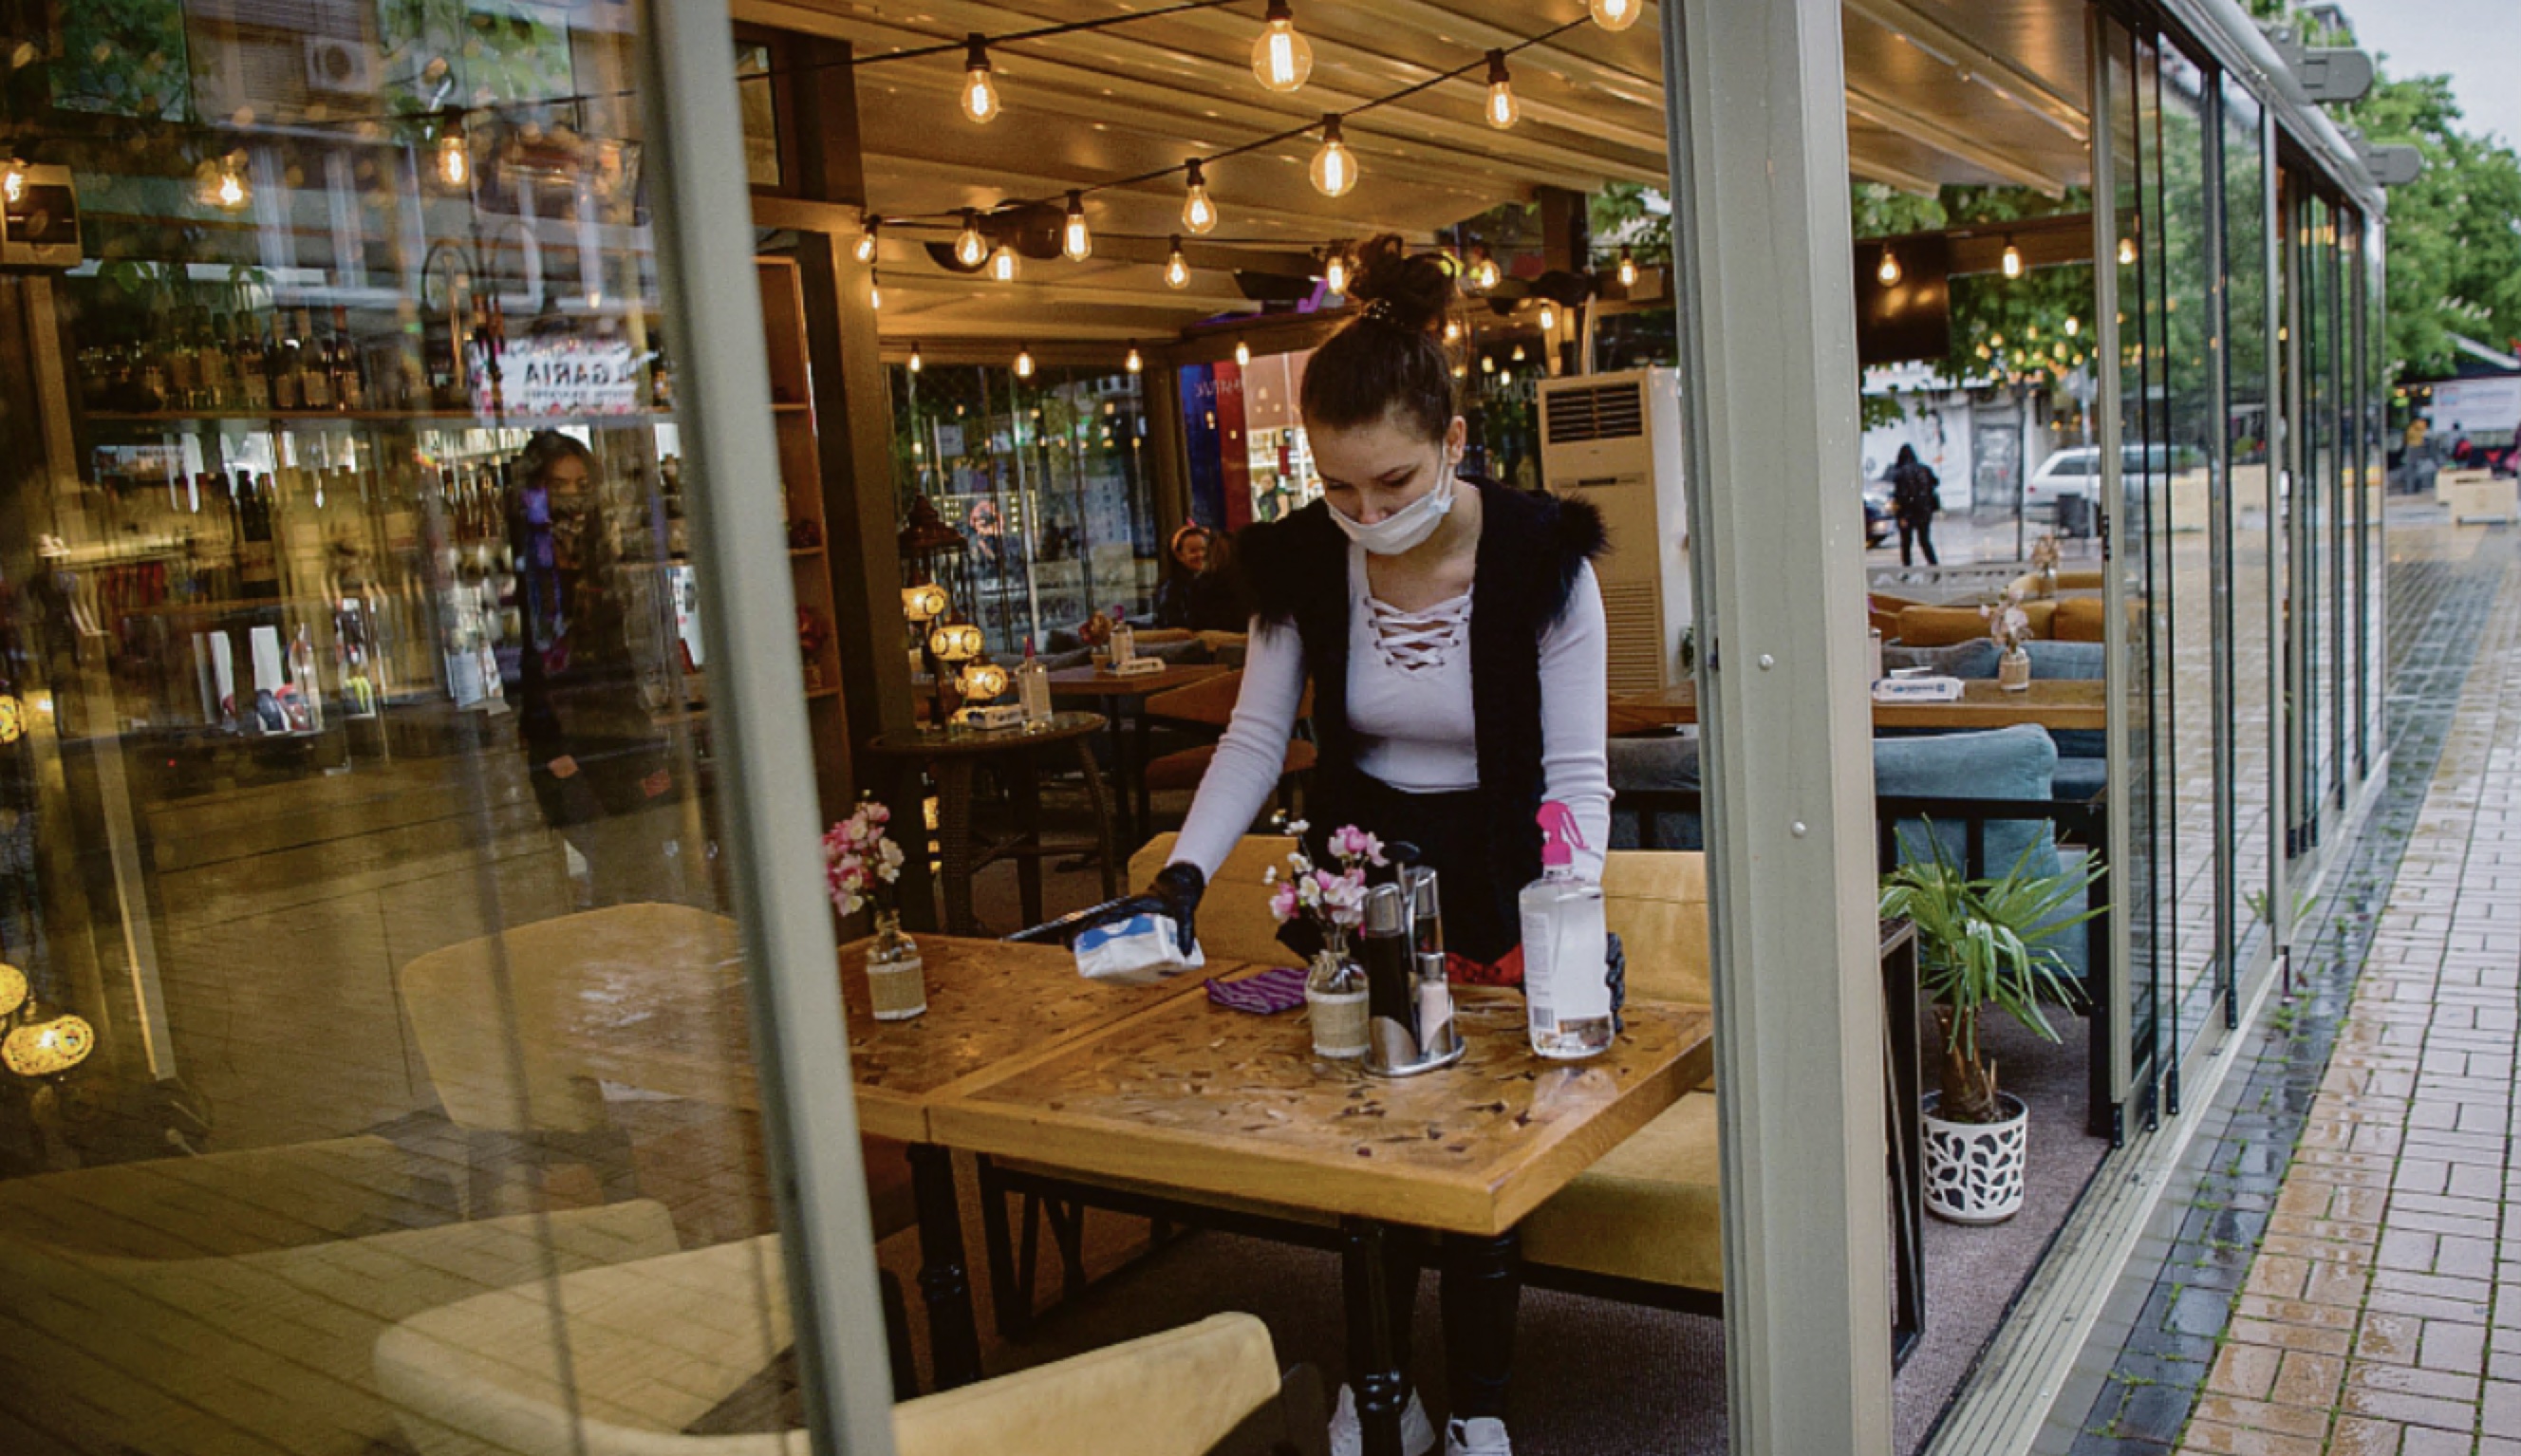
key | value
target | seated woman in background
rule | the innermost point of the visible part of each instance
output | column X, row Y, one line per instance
column 1198, row 592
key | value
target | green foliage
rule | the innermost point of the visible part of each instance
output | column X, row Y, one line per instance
column 1982, row 943
column 2454, row 234
column 123, row 56
column 2019, row 322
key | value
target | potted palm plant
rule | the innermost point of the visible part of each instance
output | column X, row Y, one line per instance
column 1983, row 944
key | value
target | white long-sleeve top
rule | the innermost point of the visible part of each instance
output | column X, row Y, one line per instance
column 1410, row 706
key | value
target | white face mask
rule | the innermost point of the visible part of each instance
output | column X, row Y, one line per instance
column 1403, row 529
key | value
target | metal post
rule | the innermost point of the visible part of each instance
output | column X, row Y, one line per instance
column 1759, row 140
column 765, row 750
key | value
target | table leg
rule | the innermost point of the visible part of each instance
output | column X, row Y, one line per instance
column 1482, row 1285
column 1120, row 771
column 1102, row 811
column 1374, row 1355
column 1024, row 787
column 955, row 837
column 1142, row 825
column 953, row 1334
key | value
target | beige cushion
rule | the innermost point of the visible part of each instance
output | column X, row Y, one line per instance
column 1171, row 1394
column 1647, row 1210
column 1940, row 626
column 2083, row 620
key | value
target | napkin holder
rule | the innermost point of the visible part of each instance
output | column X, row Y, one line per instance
column 1136, row 667
column 1898, row 689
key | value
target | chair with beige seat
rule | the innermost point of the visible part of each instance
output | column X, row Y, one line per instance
column 623, row 1362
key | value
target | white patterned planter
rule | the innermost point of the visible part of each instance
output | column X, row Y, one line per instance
column 1974, row 1170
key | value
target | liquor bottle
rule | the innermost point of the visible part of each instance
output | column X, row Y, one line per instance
column 259, row 565
column 306, row 708
column 1032, row 688
column 1566, row 947
column 253, row 385
column 182, row 390
column 349, row 373
column 280, row 366
column 219, row 386
column 314, row 379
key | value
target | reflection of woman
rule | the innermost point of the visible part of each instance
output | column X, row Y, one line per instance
column 595, row 755
column 1453, row 634
column 1196, row 593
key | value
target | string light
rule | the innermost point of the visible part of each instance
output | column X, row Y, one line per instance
column 1199, row 214
column 1003, row 265
column 1135, row 363
column 1628, row 269
column 454, row 158
column 1484, row 269
column 1334, row 166
column 1487, row 363
column 971, row 250
column 1617, row 15
column 225, row 186
column 2012, row 258
column 979, row 93
column 1241, row 352
column 1073, row 240
column 1548, row 319
column 1177, row 271
column 1519, row 355
column 2127, row 253
column 1335, row 272
column 864, row 252
column 2073, row 326
column 1503, row 110
column 1452, row 331
column 915, row 362
column 1886, row 271
column 12, row 183
column 875, row 294
column 1282, row 60
column 1023, row 361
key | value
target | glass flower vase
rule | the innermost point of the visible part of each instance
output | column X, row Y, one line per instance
column 1335, row 1003
column 2013, row 671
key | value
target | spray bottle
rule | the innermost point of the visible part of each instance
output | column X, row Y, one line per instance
column 1566, row 947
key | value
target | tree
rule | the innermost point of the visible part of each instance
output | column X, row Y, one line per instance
column 2454, row 234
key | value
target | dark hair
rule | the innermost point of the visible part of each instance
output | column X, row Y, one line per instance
column 546, row 450
column 1391, row 359
column 1908, row 455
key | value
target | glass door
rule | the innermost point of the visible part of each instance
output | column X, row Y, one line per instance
column 2249, row 788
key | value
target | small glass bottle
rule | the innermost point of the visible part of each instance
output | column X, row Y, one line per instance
column 896, row 977
column 1335, row 1003
column 1032, row 688
column 1125, row 639
column 1566, row 948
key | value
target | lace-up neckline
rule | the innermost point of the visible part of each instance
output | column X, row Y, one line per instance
column 1418, row 639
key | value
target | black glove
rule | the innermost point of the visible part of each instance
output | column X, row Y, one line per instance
column 1175, row 891
column 1616, row 976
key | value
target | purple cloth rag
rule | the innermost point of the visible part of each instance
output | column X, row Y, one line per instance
column 1265, row 995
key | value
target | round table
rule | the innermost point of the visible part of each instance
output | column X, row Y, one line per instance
column 950, row 755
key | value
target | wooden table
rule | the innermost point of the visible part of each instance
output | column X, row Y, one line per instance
column 681, row 1025
column 2051, row 703
column 1126, row 697
column 951, row 754
column 1208, row 1101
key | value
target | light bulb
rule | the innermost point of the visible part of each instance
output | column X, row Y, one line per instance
column 2073, row 326
column 1003, row 265
column 1888, row 270
column 1023, row 361
column 1503, row 111
column 2012, row 259
column 1199, row 214
column 1548, row 319
column 1334, row 166
column 228, row 188
column 454, row 160
column 971, row 250
column 1617, row 15
column 874, row 292
column 864, row 252
column 1281, row 58
column 1073, row 240
column 1487, row 363
column 1452, row 331
column 1335, row 273
column 916, row 363
column 1628, row 269
column 1483, row 270
column 1177, row 271
column 1241, row 352
column 2127, row 253
column 1135, row 362
column 1517, row 353
column 979, row 93
column 12, row 185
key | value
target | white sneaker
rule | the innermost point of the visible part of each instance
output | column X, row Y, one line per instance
column 1417, row 1436
column 1479, row 1435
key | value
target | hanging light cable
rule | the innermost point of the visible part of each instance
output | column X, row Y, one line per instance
column 1334, row 166
column 1617, row 15
column 1503, row 111
column 1176, row 270
column 979, row 92
column 971, row 250
column 1281, row 58
column 1199, row 214
column 864, row 250
column 1073, row 240
column 1886, row 271
column 1628, row 269
column 2012, row 258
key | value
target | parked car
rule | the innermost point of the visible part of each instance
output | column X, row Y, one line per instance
column 1877, row 514
column 2077, row 472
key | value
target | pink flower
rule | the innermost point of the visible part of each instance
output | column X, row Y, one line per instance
column 1351, row 844
column 1282, row 902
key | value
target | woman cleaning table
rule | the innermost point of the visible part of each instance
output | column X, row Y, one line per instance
column 1453, row 634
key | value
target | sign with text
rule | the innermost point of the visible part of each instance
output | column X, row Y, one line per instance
column 559, row 377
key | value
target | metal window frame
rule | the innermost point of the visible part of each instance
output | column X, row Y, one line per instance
column 703, row 214
column 1754, row 100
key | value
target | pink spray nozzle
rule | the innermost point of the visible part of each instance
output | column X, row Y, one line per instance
column 1560, row 839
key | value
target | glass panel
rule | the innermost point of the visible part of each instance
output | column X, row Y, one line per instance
column 761, row 116
column 2376, row 605
column 2250, row 788
column 2184, row 613
column 2337, row 628
column 363, row 838
column 2314, row 583
column 1046, row 479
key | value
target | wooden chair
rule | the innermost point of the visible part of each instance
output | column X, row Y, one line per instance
column 1208, row 707
column 622, row 1362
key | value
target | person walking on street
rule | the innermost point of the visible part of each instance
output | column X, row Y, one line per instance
column 1914, row 503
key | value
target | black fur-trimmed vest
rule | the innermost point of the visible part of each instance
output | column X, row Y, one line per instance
column 1532, row 548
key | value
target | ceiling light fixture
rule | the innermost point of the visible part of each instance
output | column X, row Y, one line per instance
column 1282, row 60
column 979, row 92
column 1334, row 166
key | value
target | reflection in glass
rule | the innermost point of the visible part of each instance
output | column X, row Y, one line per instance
column 2250, row 787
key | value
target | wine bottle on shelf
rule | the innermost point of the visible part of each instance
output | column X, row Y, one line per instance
column 182, row 367
column 261, row 566
column 218, row 382
column 349, row 374
column 314, row 379
column 246, row 363
column 280, row 364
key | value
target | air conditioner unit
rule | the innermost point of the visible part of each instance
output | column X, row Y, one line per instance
column 1615, row 439
column 336, row 66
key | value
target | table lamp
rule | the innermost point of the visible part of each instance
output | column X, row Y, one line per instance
column 950, row 645
column 980, row 682
column 45, row 1043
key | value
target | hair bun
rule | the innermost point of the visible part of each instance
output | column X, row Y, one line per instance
column 1409, row 292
